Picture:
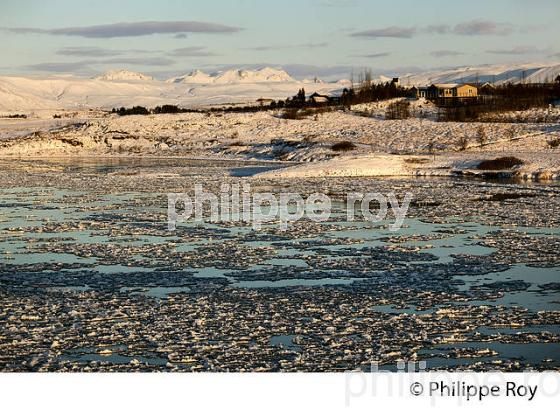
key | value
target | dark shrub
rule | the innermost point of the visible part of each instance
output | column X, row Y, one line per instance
column 343, row 146
column 398, row 110
column 291, row 114
column 463, row 143
column 136, row 110
column 555, row 143
column 167, row 109
column 499, row 163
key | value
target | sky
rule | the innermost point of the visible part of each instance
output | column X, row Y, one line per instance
column 324, row 38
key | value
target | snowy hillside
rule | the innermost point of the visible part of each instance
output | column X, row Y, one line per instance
column 498, row 74
column 195, row 77
column 125, row 88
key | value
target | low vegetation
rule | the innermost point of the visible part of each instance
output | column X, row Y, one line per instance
column 293, row 113
column 136, row 110
column 555, row 143
column 14, row 116
column 398, row 110
column 343, row 146
column 416, row 160
column 499, row 163
column 463, row 143
column 481, row 136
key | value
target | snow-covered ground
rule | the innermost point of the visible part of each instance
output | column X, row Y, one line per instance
column 378, row 146
column 65, row 118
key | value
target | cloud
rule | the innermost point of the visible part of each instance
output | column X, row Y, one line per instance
column 58, row 67
column 446, row 53
column 88, row 52
column 263, row 48
column 517, row 51
column 76, row 66
column 313, row 45
column 483, row 28
column 337, row 3
column 154, row 61
column 374, row 55
column 191, row 52
column 142, row 28
column 437, row 29
column 280, row 47
column 470, row 28
column 393, row 31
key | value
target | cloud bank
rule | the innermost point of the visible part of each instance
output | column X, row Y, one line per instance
column 470, row 28
column 141, row 28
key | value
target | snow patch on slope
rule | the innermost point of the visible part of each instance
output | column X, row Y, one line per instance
column 194, row 77
column 123, row 75
column 234, row 76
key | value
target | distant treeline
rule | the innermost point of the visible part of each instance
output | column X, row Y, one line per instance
column 495, row 99
column 299, row 101
column 139, row 110
column 369, row 92
column 350, row 96
column 14, row 116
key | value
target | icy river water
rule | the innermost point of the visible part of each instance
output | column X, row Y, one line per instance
column 91, row 279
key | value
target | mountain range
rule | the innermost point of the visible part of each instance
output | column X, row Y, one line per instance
column 118, row 88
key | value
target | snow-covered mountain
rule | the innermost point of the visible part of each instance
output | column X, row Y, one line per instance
column 234, row 76
column 497, row 74
column 263, row 75
column 194, row 77
column 126, row 88
column 123, row 75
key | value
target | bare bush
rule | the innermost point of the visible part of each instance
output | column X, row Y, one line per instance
column 481, row 136
column 432, row 148
column 293, row 113
column 398, row 110
column 555, row 143
column 462, row 143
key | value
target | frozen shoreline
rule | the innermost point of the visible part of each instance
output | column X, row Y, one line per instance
column 546, row 167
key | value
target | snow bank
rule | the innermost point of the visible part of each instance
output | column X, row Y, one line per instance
column 537, row 166
column 355, row 166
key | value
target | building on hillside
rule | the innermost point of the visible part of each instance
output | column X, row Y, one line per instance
column 265, row 101
column 487, row 89
column 317, row 98
column 435, row 91
column 420, row 92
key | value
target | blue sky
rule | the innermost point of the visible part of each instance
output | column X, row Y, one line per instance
column 317, row 37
